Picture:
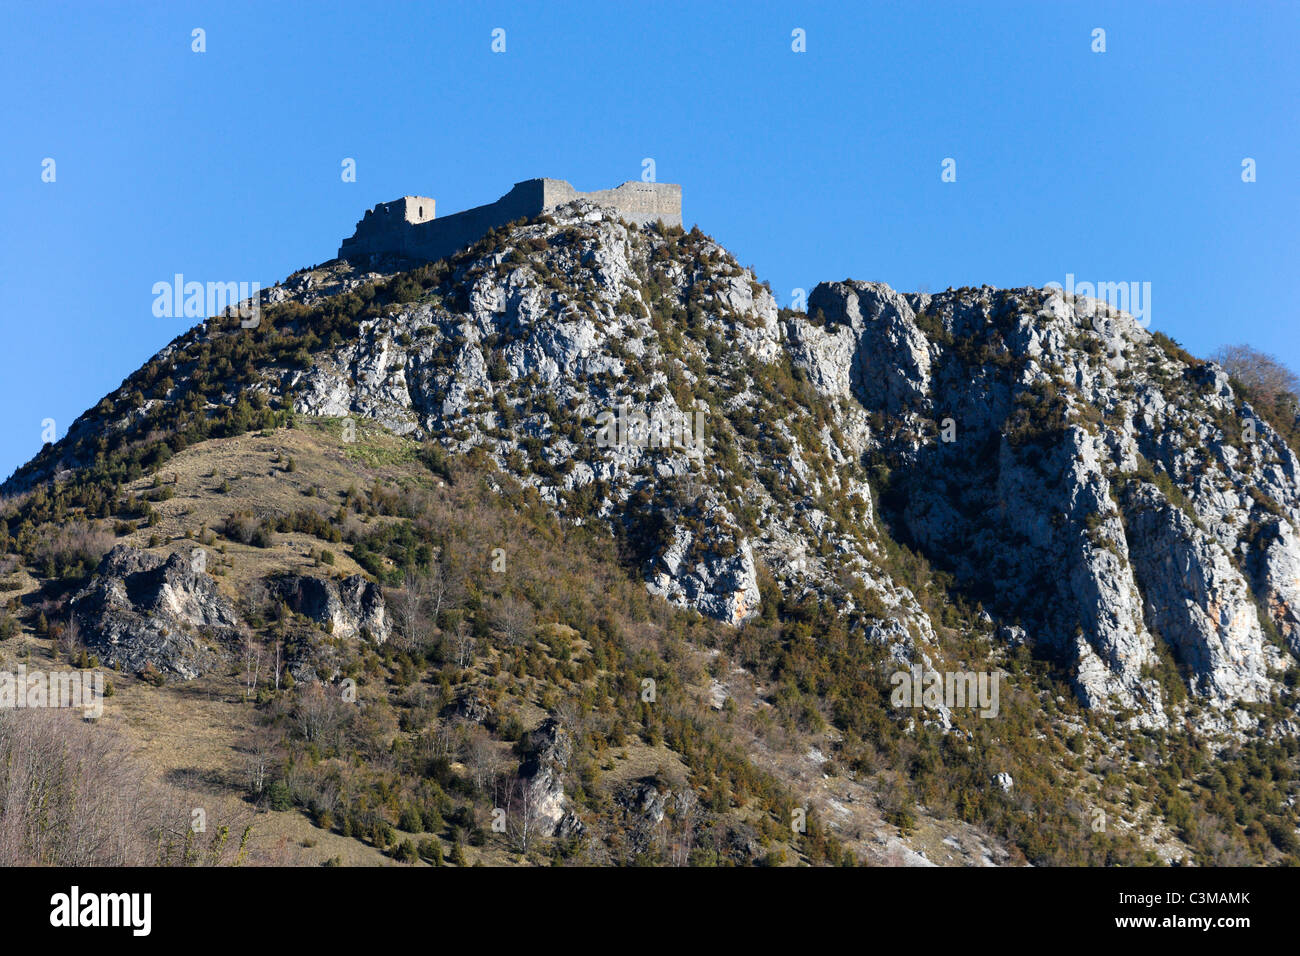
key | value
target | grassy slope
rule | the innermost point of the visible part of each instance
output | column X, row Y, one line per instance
column 189, row 734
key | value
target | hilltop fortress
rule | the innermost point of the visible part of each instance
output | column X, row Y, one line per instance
column 408, row 227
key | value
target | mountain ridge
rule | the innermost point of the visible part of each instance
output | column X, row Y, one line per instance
column 545, row 335
column 967, row 480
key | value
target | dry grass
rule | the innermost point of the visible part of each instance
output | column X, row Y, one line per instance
column 188, row 733
column 260, row 483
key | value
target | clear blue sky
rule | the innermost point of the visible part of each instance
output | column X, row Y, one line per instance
column 225, row 165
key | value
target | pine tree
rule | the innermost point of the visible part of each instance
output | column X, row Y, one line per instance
column 458, row 854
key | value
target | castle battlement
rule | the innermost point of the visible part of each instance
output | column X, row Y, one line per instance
column 408, row 226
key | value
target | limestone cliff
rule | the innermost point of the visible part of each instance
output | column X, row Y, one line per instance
column 1101, row 494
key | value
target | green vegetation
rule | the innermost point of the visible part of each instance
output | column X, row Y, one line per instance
column 479, row 658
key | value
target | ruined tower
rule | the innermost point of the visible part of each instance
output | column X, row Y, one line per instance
column 408, row 226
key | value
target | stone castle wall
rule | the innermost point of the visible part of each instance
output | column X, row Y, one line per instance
column 637, row 202
column 407, row 226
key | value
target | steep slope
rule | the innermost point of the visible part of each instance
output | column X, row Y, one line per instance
column 1084, row 477
column 1005, row 483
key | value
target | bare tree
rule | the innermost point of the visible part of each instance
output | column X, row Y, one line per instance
column 514, row 619
column 446, row 588
column 279, row 662
column 252, row 664
column 464, row 644
column 521, row 813
column 1263, row 374
column 73, row 794
column 409, row 606
column 260, row 757
column 321, row 715
column 681, row 832
column 481, row 756
column 569, row 713
column 70, row 639
column 442, row 741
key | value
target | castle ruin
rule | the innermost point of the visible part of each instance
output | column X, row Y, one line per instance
column 408, row 226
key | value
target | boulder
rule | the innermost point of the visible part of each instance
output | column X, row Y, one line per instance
column 352, row 607
column 141, row 612
column 721, row 586
column 549, row 750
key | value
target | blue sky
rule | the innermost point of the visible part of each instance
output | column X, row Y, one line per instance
column 225, row 165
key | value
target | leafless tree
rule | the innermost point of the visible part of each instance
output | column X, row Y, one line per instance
column 70, row 639
column 75, row 541
column 252, row 664
column 463, row 641
column 260, row 758
column 409, row 604
column 1263, row 374
column 681, row 829
column 480, row 755
column 279, row 662
column 441, row 741
column 329, row 796
column 446, row 588
column 521, row 813
column 73, row 794
column 570, row 714
column 514, row 619
column 321, row 714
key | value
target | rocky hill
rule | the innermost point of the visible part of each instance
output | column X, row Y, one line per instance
column 1004, row 482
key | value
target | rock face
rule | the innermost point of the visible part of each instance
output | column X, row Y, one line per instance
column 722, row 587
column 1276, row 579
column 1103, row 496
column 353, row 607
column 1079, row 475
column 550, row 749
column 470, row 705
column 592, row 349
column 1197, row 601
column 650, row 808
column 143, row 612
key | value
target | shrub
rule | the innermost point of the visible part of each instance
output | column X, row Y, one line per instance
column 75, row 545
column 410, row 821
column 240, row 526
column 279, row 796
column 430, row 849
